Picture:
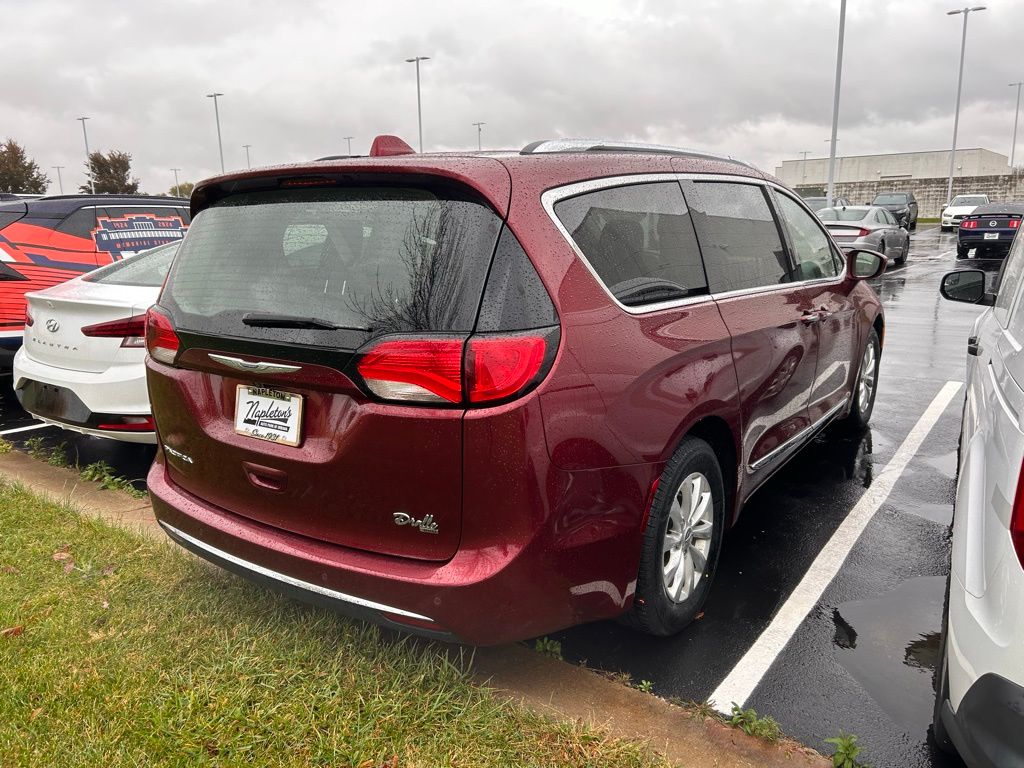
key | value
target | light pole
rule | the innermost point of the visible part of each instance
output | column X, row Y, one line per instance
column 349, row 140
column 216, row 114
column 177, row 187
column 88, row 162
column 1016, row 114
column 419, row 103
column 60, row 183
column 248, row 162
column 835, row 106
column 479, row 138
column 959, row 85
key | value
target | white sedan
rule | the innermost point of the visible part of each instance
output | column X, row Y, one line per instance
column 82, row 364
column 960, row 206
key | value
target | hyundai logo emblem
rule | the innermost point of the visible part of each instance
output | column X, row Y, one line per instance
column 52, row 325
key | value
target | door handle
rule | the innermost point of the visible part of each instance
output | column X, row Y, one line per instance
column 811, row 317
column 268, row 478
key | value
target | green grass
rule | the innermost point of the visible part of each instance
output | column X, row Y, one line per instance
column 119, row 651
column 753, row 724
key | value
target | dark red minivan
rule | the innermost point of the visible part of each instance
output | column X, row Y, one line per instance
column 486, row 396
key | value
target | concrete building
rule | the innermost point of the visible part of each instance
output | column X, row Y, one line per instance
column 860, row 177
column 900, row 166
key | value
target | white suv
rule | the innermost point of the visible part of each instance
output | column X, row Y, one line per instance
column 980, row 693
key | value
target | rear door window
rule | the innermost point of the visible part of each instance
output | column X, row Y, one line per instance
column 372, row 259
column 812, row 253
column 738, row 235
column 639, row 240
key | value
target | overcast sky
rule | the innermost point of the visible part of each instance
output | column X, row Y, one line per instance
column 752, row 79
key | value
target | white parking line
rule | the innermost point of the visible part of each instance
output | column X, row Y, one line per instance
column 25, row 429
column 744, row 677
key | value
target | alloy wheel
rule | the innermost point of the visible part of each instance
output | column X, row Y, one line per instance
column 687, row 539
column 868, row 375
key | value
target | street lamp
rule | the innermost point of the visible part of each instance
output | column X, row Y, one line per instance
column 419, row 103
column 88, row 162
column 216, row 114
column 60, row 183
column 349, row 140
column 959, row 85
column 177, row 187
column 1016, row 114
column 835, row 106
column 479, row 139
column 248, row 162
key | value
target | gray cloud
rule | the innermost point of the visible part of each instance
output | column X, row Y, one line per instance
column 749, row 78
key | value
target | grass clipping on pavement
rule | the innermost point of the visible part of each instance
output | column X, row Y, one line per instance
column 119, row 651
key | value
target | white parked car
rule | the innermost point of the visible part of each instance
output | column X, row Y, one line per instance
column 82, row 365
column 960, row 206
column 980, row 693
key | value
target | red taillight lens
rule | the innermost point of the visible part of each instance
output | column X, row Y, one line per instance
column 130, row 424
column 1014, row 223
column 417, row 370
column 500, row 367
column 969, row 224
column 161, row 340
column 131, row 329
column 28, row 318
column 863, row 232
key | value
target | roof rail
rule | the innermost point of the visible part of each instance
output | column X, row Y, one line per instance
column 550, row 146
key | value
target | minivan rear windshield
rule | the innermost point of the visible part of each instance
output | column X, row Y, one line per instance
column 381, row 259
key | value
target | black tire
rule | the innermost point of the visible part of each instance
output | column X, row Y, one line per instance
column 913, row 225
column 860, row 413
column 962, row 251
column 941, row 685
column 902, row 258
column 654, row 611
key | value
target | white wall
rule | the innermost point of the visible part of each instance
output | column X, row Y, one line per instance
column 895, row 167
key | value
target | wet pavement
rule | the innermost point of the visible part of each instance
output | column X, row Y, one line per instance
column 862, row 662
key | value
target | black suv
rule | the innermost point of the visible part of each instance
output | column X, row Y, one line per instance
column 902, row 205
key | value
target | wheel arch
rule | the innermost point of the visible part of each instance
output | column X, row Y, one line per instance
column 716, row 432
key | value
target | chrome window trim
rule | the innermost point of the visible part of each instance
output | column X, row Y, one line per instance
column 555, row 195
column 289, row 580
column 799, row 437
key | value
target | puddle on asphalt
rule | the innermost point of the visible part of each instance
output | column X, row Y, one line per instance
column 890, row 645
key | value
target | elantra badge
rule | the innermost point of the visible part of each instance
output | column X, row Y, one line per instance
column 426, row 525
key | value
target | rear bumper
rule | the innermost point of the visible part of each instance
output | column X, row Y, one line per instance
column 988, row 726
column 81, row 401
column 483, row 596
column 978, row 240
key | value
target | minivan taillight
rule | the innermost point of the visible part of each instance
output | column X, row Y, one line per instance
column 161, row 340
column 131, row 330
column 419, row 370
column 484, row 369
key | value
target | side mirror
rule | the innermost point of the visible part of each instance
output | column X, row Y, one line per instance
column 862, row 264
column 968, row 286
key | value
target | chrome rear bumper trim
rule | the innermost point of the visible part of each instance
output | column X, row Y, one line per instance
column 291, row 581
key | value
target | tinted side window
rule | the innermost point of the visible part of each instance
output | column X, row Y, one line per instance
column 639, row 239
column 811, row 250
column 1013, row 269
column 738, row 235
column 80, row 223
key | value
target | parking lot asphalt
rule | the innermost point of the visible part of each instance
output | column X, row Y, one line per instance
column 862, row 660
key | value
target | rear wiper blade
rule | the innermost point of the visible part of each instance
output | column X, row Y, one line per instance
column 269, row 320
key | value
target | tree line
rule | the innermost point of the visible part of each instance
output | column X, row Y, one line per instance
column 106, row 174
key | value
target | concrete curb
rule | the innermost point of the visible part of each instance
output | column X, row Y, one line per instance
column 542, row 684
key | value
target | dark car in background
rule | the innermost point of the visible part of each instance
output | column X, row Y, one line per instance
column 488, row 396
column 989, row 231
column 902, row 205
column 52, row 239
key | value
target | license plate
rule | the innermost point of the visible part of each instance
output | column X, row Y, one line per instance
column 991, row 235
column 268, row 414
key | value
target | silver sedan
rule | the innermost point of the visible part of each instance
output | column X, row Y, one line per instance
column 867, row 226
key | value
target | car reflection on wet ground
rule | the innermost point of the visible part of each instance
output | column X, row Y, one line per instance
column 862, row 661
